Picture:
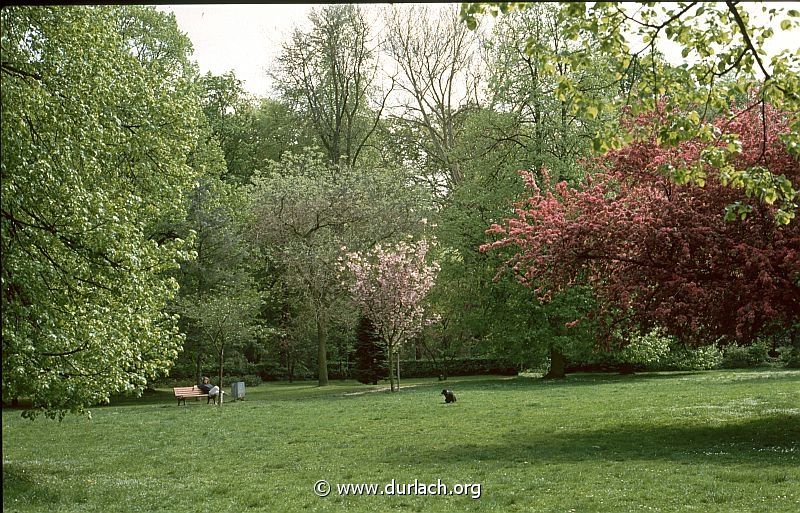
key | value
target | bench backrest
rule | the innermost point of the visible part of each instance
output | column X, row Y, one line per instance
column 188, row 391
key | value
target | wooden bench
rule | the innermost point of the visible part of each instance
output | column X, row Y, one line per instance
column 181, row 393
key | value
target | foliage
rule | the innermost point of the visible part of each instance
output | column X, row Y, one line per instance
column 723, row 48
column 227, row 318
column 98, row 129
column 659, row 253
column 521, row 123
column 790, row 356
column 369, row 354
column 452, row 367
column 647, row 349
column 525, row 85
column 278, row 130
column 249, row 131
column 220, row 273
column 735, row 356
column 231, row 116
column 250, row 380
column 389, row 286
column 649, row 352
column 305, row 209
column 682, row 358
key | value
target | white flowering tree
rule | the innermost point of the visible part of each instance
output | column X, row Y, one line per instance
column 389, row 285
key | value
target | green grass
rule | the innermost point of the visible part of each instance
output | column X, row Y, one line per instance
column 707, row 441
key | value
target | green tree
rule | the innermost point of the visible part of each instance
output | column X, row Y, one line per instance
column 225, row 318
column 279, row 130
column 328, row 75
column 221, row 270
column 369, row 353
column 231, row 117
column 96, row 145
column 526, row 124
column 249, row 131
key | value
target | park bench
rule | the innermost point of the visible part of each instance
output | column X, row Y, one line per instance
column 181, row 393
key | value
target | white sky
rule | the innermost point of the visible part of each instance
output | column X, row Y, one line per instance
column 247, row 38
column 244, row 38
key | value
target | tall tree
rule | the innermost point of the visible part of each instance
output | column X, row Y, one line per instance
column 231, row 116
column 541, row 116
column 225, row 319
column 437, row 85
column 328, row 74
column 97, row 143
column 220, row 272
column 527, row 123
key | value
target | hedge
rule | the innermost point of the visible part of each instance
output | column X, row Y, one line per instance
column 442, row 368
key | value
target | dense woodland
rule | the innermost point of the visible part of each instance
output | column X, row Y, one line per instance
column 579, row 202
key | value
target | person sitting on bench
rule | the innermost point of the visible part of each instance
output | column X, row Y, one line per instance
column 207, row 387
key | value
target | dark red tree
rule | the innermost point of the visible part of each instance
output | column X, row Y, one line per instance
column 660, row 253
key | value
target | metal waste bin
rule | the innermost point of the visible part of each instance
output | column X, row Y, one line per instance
column 237, row 390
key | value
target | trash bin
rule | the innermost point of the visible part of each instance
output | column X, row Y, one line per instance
column 237, row 390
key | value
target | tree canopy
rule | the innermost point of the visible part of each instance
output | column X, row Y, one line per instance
column 658, row 253
column 96, row 145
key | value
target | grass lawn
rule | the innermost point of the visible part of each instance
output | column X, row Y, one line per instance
column 703, row 441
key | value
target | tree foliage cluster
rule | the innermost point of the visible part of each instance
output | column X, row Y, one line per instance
column 92, row 169
column 659, row 253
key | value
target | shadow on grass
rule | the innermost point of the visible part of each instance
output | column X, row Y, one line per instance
column 19, row 483
column 579, row 379
column 773, row 440
column 149, row 396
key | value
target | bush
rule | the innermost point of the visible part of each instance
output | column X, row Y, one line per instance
column 339, row 370
column 647, row 350
column 653, row 351
column 790, row 356
column 735, row 356
column 270, row 371
column 695, row 358
column 456, row 367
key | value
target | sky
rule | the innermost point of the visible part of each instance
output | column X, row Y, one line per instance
column 243, row 38
column 247, row 38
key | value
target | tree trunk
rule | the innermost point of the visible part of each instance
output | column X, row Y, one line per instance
column 221, row 364
column 391, row 366
column 322, row 354
column 198, row 368
column 558, row 364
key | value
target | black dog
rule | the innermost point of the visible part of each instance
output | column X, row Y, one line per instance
column 449, row 396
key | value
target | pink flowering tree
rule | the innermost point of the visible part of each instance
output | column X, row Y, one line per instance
column 389, row 285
